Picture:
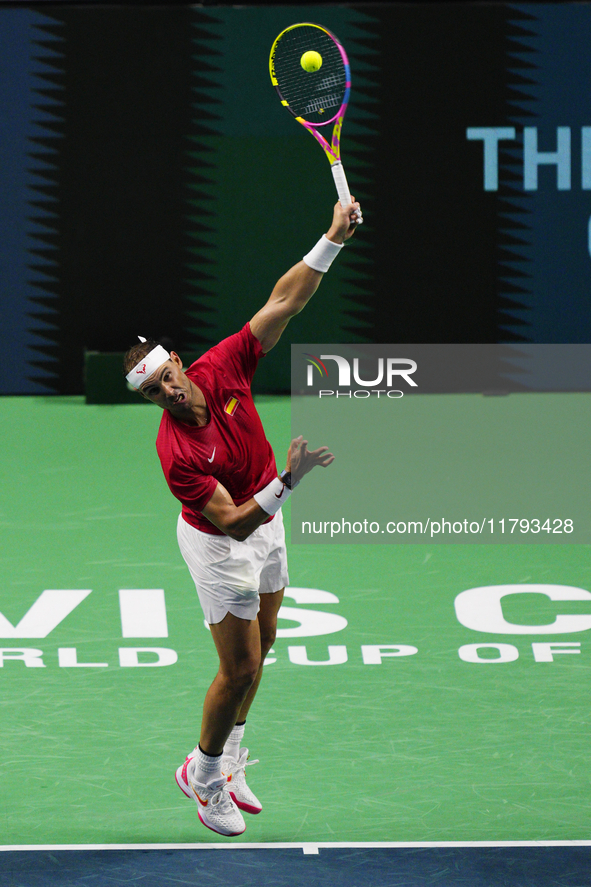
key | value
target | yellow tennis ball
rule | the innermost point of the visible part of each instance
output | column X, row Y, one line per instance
column 311, row 61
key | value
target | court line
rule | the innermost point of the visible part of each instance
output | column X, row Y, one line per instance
column 308, row 847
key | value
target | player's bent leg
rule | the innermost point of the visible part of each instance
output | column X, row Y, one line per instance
column 270, row 606
column 234, row 762
column 267, row 626
column 238, row 644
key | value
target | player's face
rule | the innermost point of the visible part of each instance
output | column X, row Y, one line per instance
column 169, row 388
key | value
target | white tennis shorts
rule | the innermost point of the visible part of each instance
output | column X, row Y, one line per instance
column 230, row 575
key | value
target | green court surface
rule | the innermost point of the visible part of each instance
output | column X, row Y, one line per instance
column 419, row 747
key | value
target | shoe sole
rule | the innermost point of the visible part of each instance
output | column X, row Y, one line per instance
column 217, row 831
column 246, row 808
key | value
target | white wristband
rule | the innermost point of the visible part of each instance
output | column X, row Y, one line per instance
column 321, row 256
column 272, row 497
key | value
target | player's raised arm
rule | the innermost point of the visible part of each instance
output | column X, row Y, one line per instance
column 295, row 289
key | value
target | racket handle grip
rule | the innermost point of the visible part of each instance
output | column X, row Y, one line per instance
column 340, row 180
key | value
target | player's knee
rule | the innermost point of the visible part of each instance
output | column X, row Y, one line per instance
column 243, row 675
column 267, row 639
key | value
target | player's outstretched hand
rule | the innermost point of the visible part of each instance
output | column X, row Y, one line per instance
column 301, row 460
column 345, row 221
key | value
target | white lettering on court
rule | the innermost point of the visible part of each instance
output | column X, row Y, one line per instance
column 28, row 655
column 129, row 657
column 143, row 613
column 50, row 608
column 311, row 622
column 480, row 609
column 337, row 655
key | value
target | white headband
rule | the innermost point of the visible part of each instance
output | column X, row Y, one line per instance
column 148, row 365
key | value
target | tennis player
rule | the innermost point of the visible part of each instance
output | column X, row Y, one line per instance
column 219, row 464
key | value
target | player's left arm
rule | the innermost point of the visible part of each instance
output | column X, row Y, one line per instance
column 294, row 290
column 239, row 521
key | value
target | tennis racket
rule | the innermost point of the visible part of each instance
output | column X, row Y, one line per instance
column 310, row 71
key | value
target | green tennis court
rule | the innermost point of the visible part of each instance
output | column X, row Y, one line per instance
column 354, row 745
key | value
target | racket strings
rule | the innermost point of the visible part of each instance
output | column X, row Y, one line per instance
column 310, row 95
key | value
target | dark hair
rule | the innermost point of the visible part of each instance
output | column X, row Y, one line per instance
column 137, row 353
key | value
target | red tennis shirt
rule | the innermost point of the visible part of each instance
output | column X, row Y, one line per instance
column 232, row 448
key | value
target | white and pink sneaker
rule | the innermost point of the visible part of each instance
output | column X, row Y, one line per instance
column 242, row 794
column 215, row 806
column 233, row 772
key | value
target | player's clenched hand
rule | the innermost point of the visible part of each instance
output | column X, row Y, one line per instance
column 301, row 460
column 345, row 220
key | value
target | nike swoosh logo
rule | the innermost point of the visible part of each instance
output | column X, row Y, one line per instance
column 279, row 495
column 201, row 801
column 212, row 455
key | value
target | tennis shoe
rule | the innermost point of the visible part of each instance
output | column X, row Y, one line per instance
column 233, row 770
column 182, row 779
column 215, row 806
column 242, row 795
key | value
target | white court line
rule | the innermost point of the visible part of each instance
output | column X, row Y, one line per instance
column 308, row 847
